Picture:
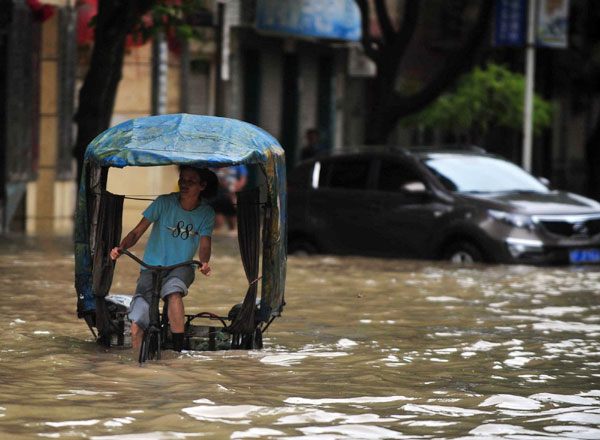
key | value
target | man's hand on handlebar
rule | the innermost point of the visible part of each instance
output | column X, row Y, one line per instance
column 115, row 253
column 205, row 269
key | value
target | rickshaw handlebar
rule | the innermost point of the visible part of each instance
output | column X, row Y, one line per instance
column 149, row 266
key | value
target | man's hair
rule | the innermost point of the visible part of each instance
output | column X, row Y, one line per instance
column 207, row 176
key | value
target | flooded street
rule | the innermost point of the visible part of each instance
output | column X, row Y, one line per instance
column 365, row 349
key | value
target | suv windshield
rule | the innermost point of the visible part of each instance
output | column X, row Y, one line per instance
column 481, row 174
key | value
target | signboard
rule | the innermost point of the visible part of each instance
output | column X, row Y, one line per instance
column 510, row 25
column 336, row 19
column 552, row 18
column 552, row 23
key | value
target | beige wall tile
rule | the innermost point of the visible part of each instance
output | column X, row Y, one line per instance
column 50, row 38
column 133, row 95
column 139, row 54
column 48, row 141
column 44, row 212
column 49, row 87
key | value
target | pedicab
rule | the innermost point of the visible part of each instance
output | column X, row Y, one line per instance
column 199, row 141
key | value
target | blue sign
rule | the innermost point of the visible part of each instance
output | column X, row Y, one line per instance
column 337, row 19
column 511, row 21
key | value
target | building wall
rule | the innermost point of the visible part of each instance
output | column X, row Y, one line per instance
column 271, row 92
column 308, row 96
column 50, row 204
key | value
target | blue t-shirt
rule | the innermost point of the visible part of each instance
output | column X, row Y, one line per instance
column 175, row 232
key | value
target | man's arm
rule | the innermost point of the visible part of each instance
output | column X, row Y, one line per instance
column 204, row 251
column 131, row 238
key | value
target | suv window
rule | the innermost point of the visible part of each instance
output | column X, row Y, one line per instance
column 301, row 176
column 346, row 174
column 393, row 175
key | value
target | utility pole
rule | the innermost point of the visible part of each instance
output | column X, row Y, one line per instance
column 529, row 87
column 220, row 31
column 160, row 54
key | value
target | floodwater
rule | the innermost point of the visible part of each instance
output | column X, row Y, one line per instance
column 365, row 349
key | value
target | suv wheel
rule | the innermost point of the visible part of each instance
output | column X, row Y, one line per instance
column 463, row 252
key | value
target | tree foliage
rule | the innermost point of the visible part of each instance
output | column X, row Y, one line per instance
column 483, row 99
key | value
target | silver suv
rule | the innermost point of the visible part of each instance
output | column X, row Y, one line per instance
column 462, row 205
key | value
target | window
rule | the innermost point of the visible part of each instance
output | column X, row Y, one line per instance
column 393, row 175
column 347, row 174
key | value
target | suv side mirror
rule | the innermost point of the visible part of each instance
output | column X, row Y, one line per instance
column 545, row 181
column 414, row 188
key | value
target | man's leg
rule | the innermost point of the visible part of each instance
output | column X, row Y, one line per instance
column 176, row 314
column 137, row 334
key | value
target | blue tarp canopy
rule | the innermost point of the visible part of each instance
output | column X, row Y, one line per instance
column 183, row 139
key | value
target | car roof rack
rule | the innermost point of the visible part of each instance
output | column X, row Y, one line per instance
column 415, row 149
column 446, row 147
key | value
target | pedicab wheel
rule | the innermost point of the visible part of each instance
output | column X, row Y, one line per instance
column 258, row 342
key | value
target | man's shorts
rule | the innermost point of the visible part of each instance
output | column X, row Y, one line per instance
column 176, row 281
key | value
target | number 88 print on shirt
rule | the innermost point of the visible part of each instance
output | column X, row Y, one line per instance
column 176, row 232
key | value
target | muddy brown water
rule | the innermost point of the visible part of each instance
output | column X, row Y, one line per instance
column 365, row 349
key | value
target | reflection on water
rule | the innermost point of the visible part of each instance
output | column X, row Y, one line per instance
column 366, row 348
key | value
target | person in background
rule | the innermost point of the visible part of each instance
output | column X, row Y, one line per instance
column 182, row 223
column 313, row 145
column 231, row 180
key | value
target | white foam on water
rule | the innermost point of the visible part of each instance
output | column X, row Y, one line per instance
column 320, row 416
column 556, row 311
column 346, row 343
column 344, row 401
column 204, row 401
column 445, row 350
column 561, row 326
column 443, row 299
column 118, row 422
column 511, row 402
column 518, row 361
column 232, row 414
column 73, row 423
column 428, row 423
column 595, row 393
column 578, row 432
column 581, row 417
column 288, row 359
column 562, row 398
column 440, row 410
column 255, row 433
column 155, row 435
column 500, row 429
column 365, row 432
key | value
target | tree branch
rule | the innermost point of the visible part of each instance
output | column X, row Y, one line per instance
column 387, row 29
column 115, row 20
column 389, row 65
column 366, row 40
column 457, row 63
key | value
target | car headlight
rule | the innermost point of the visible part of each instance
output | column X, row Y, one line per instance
column 510, row 218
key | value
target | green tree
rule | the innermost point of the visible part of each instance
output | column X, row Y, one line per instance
column 484, row 99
